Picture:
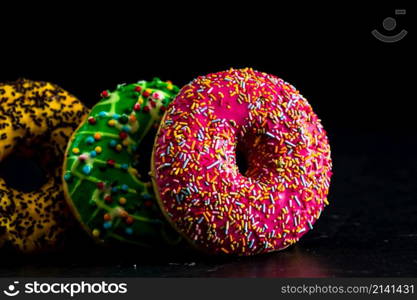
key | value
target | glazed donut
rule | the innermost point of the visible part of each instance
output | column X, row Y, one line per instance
column 102, row 182
column 195, row 174
column 39, row 116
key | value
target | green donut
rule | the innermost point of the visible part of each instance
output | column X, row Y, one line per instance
column 101, row 178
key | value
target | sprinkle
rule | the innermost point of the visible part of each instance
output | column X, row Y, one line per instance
column 75, row 150
column 92, row 120
column 113, row 143
column 289, row 143
column 240, row 204
column 185, row 163
column 146, row 93
column 129, row 220
column 296, row 200
column 163, row 166
column 146, row 196
column 111, row 123
column 87, row 169
column 303, row 180
column 132, row 118
column 270, row 135
column 271, row 197
column 107, row 225
column 90, row 140
column 225, row 250
column 122, row 200
column 123, row 135
column 102, row 114
column 96, row 233
column 97, row 136
column 213, row 164
column 157, row 95
column 104, row 94
column 98, row 149
column 129, row 230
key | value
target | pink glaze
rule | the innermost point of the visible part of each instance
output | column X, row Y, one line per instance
column 201, row 190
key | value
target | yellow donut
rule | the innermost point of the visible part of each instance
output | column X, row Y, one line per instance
column 36, row 119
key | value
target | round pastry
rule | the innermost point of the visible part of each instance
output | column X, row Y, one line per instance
column 103, row 182
column 36, row 122
column 215, row 205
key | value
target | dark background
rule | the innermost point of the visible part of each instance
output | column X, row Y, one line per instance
column 360, row 87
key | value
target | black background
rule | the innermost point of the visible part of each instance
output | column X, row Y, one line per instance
column 361, row 88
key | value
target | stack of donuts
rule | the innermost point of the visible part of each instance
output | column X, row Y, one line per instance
column 154, row 165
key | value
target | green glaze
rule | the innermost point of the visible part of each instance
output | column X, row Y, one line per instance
column 96, row 182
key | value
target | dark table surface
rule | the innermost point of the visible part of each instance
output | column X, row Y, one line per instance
column 369, row 229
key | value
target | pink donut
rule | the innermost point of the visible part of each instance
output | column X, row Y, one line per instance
column 198, row 183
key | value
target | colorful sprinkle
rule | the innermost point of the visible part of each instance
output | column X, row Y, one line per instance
column 107, row 225
column 136, row 107
column 87, row 169
column 104, row 94
column 92, row 121
column 96, row 233
column 123, row 135
column 89, row 140
column 113, row 143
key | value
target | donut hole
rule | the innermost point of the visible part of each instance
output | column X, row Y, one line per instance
column 22, row 173
column 241, row 161
column 253, row 153
column 144, row 153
